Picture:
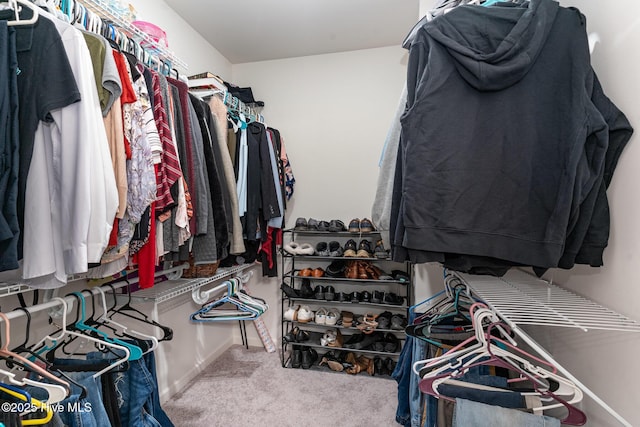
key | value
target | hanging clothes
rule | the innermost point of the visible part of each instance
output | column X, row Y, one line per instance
column 472, row 191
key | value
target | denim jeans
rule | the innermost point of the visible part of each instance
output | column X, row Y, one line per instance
column 475, row 414
column 85, row 412
column 402, row 374
column 153, row 404
column 134, row 388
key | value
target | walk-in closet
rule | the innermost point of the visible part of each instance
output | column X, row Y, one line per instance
column 321, row 213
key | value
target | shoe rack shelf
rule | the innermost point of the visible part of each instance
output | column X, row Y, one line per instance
column 292, row 264
column 313, row 301
column 348, row 328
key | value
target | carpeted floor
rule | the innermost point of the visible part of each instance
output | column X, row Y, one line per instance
column 246, row 388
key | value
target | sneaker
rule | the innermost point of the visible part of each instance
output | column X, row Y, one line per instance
column 292, row 313
column 305, row 315
column 350, row 248
column 366, row 226
column 331, row 317
column 321, row 316
column 323, row 226
column 312, row 224
column 364, row 249
column 380, row 252
column 336, row 225
column 354, row 225
column 301, row 224
column 322, row 249
column 335, row 250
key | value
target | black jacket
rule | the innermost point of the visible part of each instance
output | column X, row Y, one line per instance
column 504, row 140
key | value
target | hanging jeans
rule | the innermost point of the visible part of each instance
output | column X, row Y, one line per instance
column 154, row 402
column 402, row 374
column 475, row 414
column 135, row 389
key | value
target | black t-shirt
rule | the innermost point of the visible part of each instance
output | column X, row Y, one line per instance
column 45, row 83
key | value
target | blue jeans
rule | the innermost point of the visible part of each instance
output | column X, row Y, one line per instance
column 153, row 404
column 474, row 414
column 135, row 388
column 85, row 412
column 402, row 374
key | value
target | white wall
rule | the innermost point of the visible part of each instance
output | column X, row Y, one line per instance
column 334, row 112
column 184, row 41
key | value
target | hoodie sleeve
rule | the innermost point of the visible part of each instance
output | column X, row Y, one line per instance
column 620, row 132
column 416, row 69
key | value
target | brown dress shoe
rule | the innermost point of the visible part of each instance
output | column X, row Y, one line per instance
column 318, row 272
column 305, row 272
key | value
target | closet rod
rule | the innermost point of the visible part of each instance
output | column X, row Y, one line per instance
column 528, row 293
column 70, row 300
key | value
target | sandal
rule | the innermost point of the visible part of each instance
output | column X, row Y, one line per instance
column 292, row 313
column 368, row 324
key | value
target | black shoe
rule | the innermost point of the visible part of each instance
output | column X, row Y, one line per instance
column 384, row 320
column 391, row 298
column 342, row 297
column 390, row 364
column 400, row 276
column 336, row 225
column 364, row 250
column 391, row 343
column 309, row 357
column 323, row 226
column 302, row 335
column 378, row 363
column 301, row 224
column 355, row 296
column 335, row 269
column 296, row 358
column 319, row 292
column 329, row 293
column 335, row 250
column 350, row 248
column 377, row 297
column 366, row 296
column 312, row 224
column 379, row 251
column 305, row 289
column 322, row 249
column 289, row 291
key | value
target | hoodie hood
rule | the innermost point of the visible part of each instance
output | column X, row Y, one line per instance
column 494, row 47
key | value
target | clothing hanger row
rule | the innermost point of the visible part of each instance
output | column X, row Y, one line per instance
column 491, row 345
column 15, row 5
column 234, row 304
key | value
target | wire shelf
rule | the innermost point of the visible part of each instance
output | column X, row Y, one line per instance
column 104, row 9
column 7, row 289
column 522, row 299
column 171, row 289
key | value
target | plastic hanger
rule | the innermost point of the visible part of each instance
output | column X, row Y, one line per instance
column 35, row 402
column 22, row 348
column 15, row 5
column 135, row 352
column 105, row 320
column 57, row 392
column 128, row 311
column 65, row 332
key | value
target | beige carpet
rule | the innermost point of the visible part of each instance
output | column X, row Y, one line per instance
column 246, row 388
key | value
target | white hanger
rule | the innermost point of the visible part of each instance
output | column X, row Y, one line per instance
column 17, row 22
column 64, row 332
column 107, row 320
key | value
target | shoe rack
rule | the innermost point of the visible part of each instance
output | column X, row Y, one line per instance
column 393, row 297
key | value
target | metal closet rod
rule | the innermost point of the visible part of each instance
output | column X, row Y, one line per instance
column 71, row 300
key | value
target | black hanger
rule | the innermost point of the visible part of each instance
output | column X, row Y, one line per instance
column 22, row 348
column 127, row 310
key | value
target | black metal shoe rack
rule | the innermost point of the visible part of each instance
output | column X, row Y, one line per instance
column 293, row 264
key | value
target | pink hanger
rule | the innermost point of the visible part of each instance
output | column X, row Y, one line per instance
column 4, row 351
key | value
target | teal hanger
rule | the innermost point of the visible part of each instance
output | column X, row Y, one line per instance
column 490, row 2
column 135, row 351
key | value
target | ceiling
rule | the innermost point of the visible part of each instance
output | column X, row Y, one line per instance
column 258, row 30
